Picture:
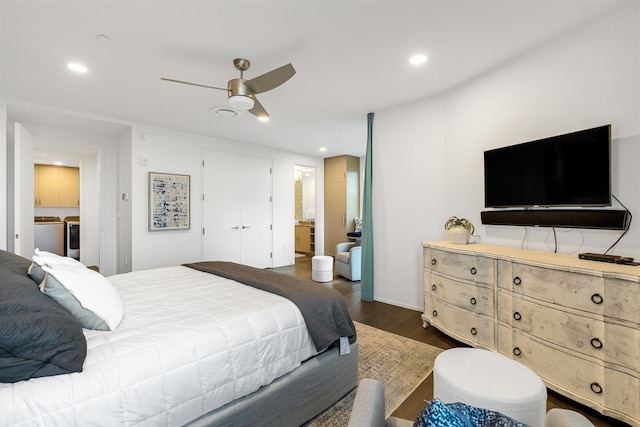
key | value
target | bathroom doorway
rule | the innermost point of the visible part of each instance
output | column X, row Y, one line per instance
column 305, row 188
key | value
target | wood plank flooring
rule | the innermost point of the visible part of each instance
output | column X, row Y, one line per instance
column 408, row 323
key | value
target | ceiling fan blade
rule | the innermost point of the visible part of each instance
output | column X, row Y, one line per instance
column 192, row 84
column 271, row 80
column 258, row 110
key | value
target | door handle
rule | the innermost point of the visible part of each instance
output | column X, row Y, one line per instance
column 246, row 226
column 235, row 228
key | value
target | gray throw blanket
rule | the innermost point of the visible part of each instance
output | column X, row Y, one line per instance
column 324, row 310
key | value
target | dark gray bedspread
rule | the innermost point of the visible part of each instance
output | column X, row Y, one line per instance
column 324, row 310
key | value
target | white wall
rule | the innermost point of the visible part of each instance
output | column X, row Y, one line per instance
column 586, row 78
column 178, row 152
column 309, row 184
column 124, row 203
column 408, row 196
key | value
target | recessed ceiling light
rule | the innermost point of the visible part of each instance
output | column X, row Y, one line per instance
column 58, row 163
column 323, row 149
column 224, row 111
column 417, row 59
column 263, row 118
column 78, row 68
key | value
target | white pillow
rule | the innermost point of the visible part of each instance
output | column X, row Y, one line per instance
column 94, row 293
column 41, row 258
column 44, row 257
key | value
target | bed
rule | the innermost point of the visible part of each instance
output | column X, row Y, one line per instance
column 194, row 346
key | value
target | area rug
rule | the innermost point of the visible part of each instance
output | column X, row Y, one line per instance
column 400, row 363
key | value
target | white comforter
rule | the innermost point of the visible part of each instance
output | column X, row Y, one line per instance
column 190, row 342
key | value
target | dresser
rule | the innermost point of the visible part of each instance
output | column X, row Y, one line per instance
column 576, row 323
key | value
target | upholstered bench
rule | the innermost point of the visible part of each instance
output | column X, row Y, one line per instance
column 489, row 380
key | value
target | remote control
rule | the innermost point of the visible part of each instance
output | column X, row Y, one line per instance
column 599, row 257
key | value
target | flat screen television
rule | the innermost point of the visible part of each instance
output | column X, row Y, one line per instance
column 573, row 169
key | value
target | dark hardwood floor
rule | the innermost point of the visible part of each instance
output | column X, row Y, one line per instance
column 408, row 323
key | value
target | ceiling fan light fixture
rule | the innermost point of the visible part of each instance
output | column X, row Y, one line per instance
column 241, row 102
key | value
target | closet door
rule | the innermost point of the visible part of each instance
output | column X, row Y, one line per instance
column 236, row 209
column 220, row 207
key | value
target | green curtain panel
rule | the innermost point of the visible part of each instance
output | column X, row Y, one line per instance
column 366, row 281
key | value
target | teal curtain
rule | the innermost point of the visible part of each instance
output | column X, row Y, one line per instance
column 366, row 280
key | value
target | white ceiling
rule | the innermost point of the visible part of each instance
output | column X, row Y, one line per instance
column 351, row 58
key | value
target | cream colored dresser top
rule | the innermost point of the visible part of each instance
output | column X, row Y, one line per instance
column 576, row 323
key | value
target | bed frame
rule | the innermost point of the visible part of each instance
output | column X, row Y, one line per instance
column 295, row 398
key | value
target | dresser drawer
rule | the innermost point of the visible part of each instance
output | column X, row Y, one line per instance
column 622, row 346
column 578, row 333
column 469, row 267
column 623, row 300
column 563, row 371
column 469, row 296
column 470, row 328
column 622, row 396
column 569, row 289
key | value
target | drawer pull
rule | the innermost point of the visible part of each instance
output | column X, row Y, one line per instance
column 596, row 343
column 433, row 287
column 597, row 299
column 517, row 316
column 435, row 313
column 472, row 301
column 473, row 270
column 517, row 281
column 596, row 388
column 433, row 261
column 516, row 351
column 474, row 331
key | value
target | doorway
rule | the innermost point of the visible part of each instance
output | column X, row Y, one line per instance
column 304, row 181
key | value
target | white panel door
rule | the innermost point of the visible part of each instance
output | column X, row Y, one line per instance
column 23, row 197
column 236, row 209
column 220, row 207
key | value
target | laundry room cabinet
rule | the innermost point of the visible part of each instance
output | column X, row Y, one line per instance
column 56, row 186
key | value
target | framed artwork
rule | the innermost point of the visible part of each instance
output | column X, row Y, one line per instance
column 169, row 201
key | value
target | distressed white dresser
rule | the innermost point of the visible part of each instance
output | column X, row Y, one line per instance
column 576, row 323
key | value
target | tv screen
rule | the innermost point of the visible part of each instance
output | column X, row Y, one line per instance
column 565, row 170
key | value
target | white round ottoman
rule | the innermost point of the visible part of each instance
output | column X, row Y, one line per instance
column 489, row 380
column 322, row 268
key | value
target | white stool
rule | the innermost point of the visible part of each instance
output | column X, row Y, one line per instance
column 489, row 380
column 322, row 268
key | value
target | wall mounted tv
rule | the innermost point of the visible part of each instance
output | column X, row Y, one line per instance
column 567, row 170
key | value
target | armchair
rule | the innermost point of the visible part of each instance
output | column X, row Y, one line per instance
column 368, row 410
column 349, row 260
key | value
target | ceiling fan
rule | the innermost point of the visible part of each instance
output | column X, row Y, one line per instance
column 242, row 93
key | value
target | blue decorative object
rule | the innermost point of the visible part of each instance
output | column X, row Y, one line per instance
column 439, row 414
